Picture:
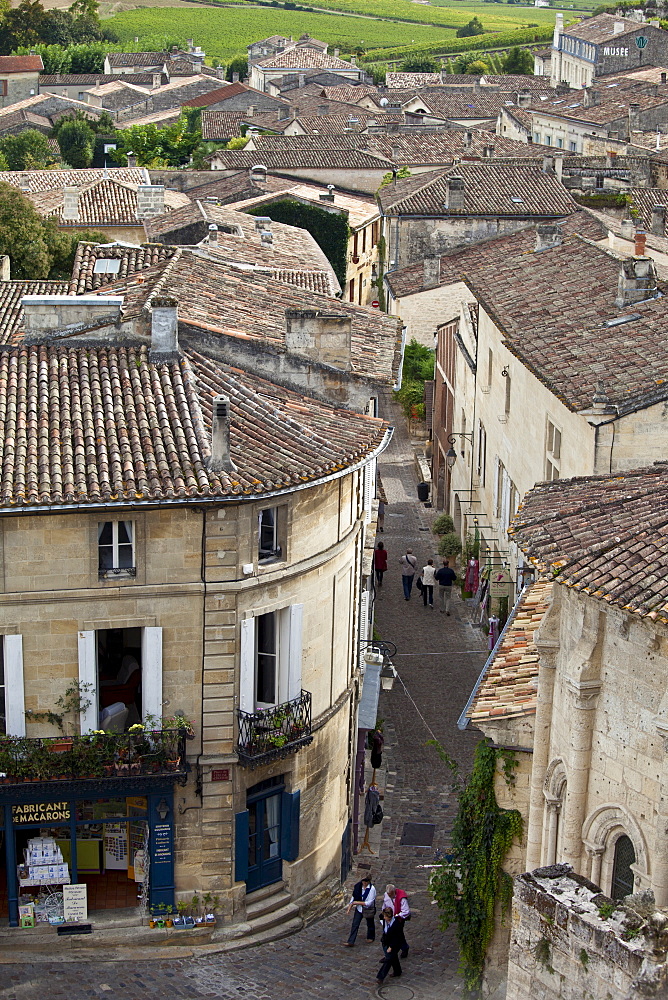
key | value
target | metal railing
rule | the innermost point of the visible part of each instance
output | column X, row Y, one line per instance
column 93, row 755
column 272, row 733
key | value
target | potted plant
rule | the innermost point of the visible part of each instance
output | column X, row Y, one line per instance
column 182, row 908
column 72, row 703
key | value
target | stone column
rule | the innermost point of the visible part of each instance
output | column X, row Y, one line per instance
column 595, row 856
column 547, row 642
column 583, row 699
column 553, row 810
column 659, row 852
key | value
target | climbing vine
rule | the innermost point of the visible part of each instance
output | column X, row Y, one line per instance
column 468, row 883
column 330, row 230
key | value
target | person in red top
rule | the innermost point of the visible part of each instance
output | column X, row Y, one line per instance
column 398, row 901
column 380, row 562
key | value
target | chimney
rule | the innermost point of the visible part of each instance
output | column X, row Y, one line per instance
column 302, row 79
column 455, row 194
column 524, row 99
column 559, row 167
column 488, row 152
column 250, row 110
column 628, row 229
column 431, row 274
column 330, row 194
column 220, row 460
column 336, row 53
column 258, row 174
column 634, row 118
column 659, row 220
column 396, row 152
column 70, row 204
column 618, row 28
column 637, row 280
column 235, row 77
column 262, row 223
column 157, row 80
column 190, row 44
column 164, row 329
column 611, row 158
column 5, row 268
column 132, row 159
column 468, row 139
column 547, row 236
column 640, row 241
column 548, row 164
column 53, row 316
column 213, row 234
column 150, row 200
column 321, row 336
column 353, row 60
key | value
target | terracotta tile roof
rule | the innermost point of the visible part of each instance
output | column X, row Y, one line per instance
column 105, row 202
column 227, row 91
column 360, row 210
column 491, row 188
column 47, row 80
column 49, row 180
column 303, row 57
column 20, row 64
column 509, row 687
column 455, row 106
column 312, row 281
column 348, row 93
column 600, row 28
column 121, row 428
column 11, row 121
column 50, row 106
column 11, row 311
column 608, row 111
column 160, row 118
column 402, row 81
column 240, row 300
column 604, row 536
column 131, row 259
column 291, row 247
column 295, row 158
column 644, row 200
column 121, row 59
column 456, row 263
column 217, row 125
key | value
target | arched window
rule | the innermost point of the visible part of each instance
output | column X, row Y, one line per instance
column 622, row 873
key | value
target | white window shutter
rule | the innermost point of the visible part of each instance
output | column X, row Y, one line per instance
column 296, row 613
column 364, row 617
column 88, row 719
column 151, row 672
column 14, row 690
column 247, row 666
column 369, row 488
column 495, row 486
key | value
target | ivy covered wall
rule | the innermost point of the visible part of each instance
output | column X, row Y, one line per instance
column 329, row 230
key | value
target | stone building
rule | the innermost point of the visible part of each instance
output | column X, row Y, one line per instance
column 604, row 44
column 426, row 215
column 182, row 538
column 19, row 78
column 305, row 54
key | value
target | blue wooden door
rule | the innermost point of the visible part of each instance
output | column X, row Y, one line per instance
column 264, row 840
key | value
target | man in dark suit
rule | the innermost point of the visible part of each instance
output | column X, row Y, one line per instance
column 364, row 901
column 393, row 936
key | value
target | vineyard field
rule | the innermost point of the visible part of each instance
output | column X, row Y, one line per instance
column 226, row 32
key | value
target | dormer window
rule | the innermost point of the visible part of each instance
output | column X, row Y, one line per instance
column 115, row 547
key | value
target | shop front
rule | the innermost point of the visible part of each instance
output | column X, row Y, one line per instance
column 115, row 834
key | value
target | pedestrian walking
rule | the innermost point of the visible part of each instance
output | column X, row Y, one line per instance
column 428, row 581
column 393, row 929
column 445, row 578
column 408, row 567
column 397, row 900
column 364, row 901
column 380, row 562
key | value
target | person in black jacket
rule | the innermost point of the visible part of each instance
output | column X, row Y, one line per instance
column 393, row 928
column 364, row 901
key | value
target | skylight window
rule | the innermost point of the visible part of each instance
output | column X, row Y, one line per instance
column 516, row 199
column 107, row 265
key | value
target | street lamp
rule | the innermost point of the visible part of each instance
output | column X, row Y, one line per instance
column 379, row 652
column 451, row 454
column 387, row 675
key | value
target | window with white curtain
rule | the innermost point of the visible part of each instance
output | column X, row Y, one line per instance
column 271, row 658
column 116, row 548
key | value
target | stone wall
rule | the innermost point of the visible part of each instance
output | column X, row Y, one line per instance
column 428, row 309
column 420, row 238
column 563, row 949
column 20, row 86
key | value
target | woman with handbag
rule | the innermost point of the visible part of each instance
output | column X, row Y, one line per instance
column 364, row 901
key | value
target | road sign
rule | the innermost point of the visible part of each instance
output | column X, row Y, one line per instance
column 641, row 41
column 375, row 303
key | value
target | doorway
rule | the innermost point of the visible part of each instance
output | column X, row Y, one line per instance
column 263, row 802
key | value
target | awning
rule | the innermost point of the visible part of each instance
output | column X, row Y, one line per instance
column 368, row 706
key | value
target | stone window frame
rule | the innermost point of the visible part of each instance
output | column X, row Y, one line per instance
column 600, row 833
column 283, row 514
column 555, row 785
column 138, row 519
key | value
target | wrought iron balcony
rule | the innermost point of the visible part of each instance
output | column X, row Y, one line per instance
column 272, row 733
column 95, row 755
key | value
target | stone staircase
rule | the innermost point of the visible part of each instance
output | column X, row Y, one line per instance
column 270, row 914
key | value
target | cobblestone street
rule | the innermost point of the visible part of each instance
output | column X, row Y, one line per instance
column 438, row 659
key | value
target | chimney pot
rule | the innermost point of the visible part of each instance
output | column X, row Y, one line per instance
column 640, row 241
column 548, row 236
column 455, row 194
column 258, row 174
column 659, row 220
column 637, row 278
column 164, row 329
column 220, row 460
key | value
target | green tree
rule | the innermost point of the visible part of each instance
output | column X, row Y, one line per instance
column 518, row 61
column 75, row 141
column 171, row 147
column 239, row 64
column 378, row 73
column 474, row 27
column 419, row 64
column 238, row 142
column 477, row 68
column 29, row 150
column 22, row 235
column 330, row 231
column 62, row 245
column 462, row 63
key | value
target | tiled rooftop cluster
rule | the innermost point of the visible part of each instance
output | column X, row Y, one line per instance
column 86, row 270
column 104, row 202
column 11, row 310
column 494, row 189
column 509, row 686
column 49, row 180
column 603, row 535
column 121, row 428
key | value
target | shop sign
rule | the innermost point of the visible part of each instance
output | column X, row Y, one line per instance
column 75, row 902
column 499, row 584
column 162, row 853
column 41, row 812
column 641, row 41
